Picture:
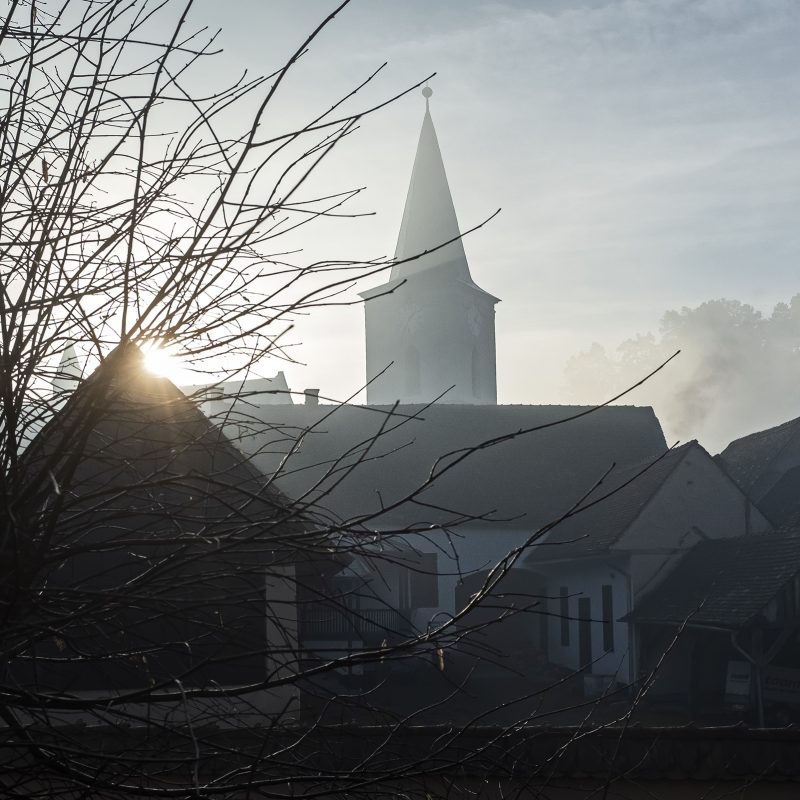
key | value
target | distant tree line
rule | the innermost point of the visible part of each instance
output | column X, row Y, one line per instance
column 738, row 369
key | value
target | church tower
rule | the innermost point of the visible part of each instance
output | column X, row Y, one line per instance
column 430, row 321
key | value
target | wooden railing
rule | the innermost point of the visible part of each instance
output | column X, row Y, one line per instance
column 321, row 622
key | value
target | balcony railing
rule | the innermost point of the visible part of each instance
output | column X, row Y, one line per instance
column 324, row 622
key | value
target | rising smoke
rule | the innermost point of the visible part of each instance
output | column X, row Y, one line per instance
column 738, row 371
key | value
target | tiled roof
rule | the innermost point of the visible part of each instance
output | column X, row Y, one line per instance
column 723, row 582
column 611, row 507
column 520, row 481
column 747, row 459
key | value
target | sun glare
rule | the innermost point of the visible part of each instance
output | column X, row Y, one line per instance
column 161, row 362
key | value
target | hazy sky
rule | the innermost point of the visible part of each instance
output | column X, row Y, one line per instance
column 646, row 154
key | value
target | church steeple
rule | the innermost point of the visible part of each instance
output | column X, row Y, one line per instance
column 430, row 321
column 429, row 216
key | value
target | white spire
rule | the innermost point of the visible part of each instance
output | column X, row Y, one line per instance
column 429, row 218
column 69, row 372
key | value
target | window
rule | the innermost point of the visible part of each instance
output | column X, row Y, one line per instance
column 564, row 614
column 584, row 631
column 608, row 618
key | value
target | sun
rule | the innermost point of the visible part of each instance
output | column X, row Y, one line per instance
column 160, row 361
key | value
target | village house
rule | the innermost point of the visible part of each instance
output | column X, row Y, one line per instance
column 623, row 544
column 158, row 553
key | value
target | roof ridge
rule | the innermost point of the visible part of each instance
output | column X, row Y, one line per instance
column 762, row 433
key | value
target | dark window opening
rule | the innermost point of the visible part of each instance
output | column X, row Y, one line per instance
column 584, row 631
column 608, row 618
column 564, row 614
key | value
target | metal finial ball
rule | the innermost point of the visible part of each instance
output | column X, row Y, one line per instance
column 427, row 92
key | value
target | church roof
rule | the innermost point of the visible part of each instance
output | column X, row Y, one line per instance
column 360, row 461
column 723, row 583
column 429, row 217
column 429, row 221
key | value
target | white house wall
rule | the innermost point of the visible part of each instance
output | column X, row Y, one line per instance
column 586, row 579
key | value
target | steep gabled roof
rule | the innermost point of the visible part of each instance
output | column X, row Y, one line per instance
column 723, row 583
column 748, row 458
column 429, row 217
column 612, row 507
column 124, row 419
column 521, row 482
column 429, row 221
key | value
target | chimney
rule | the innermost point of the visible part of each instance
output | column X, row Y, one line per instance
column 311, row 397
